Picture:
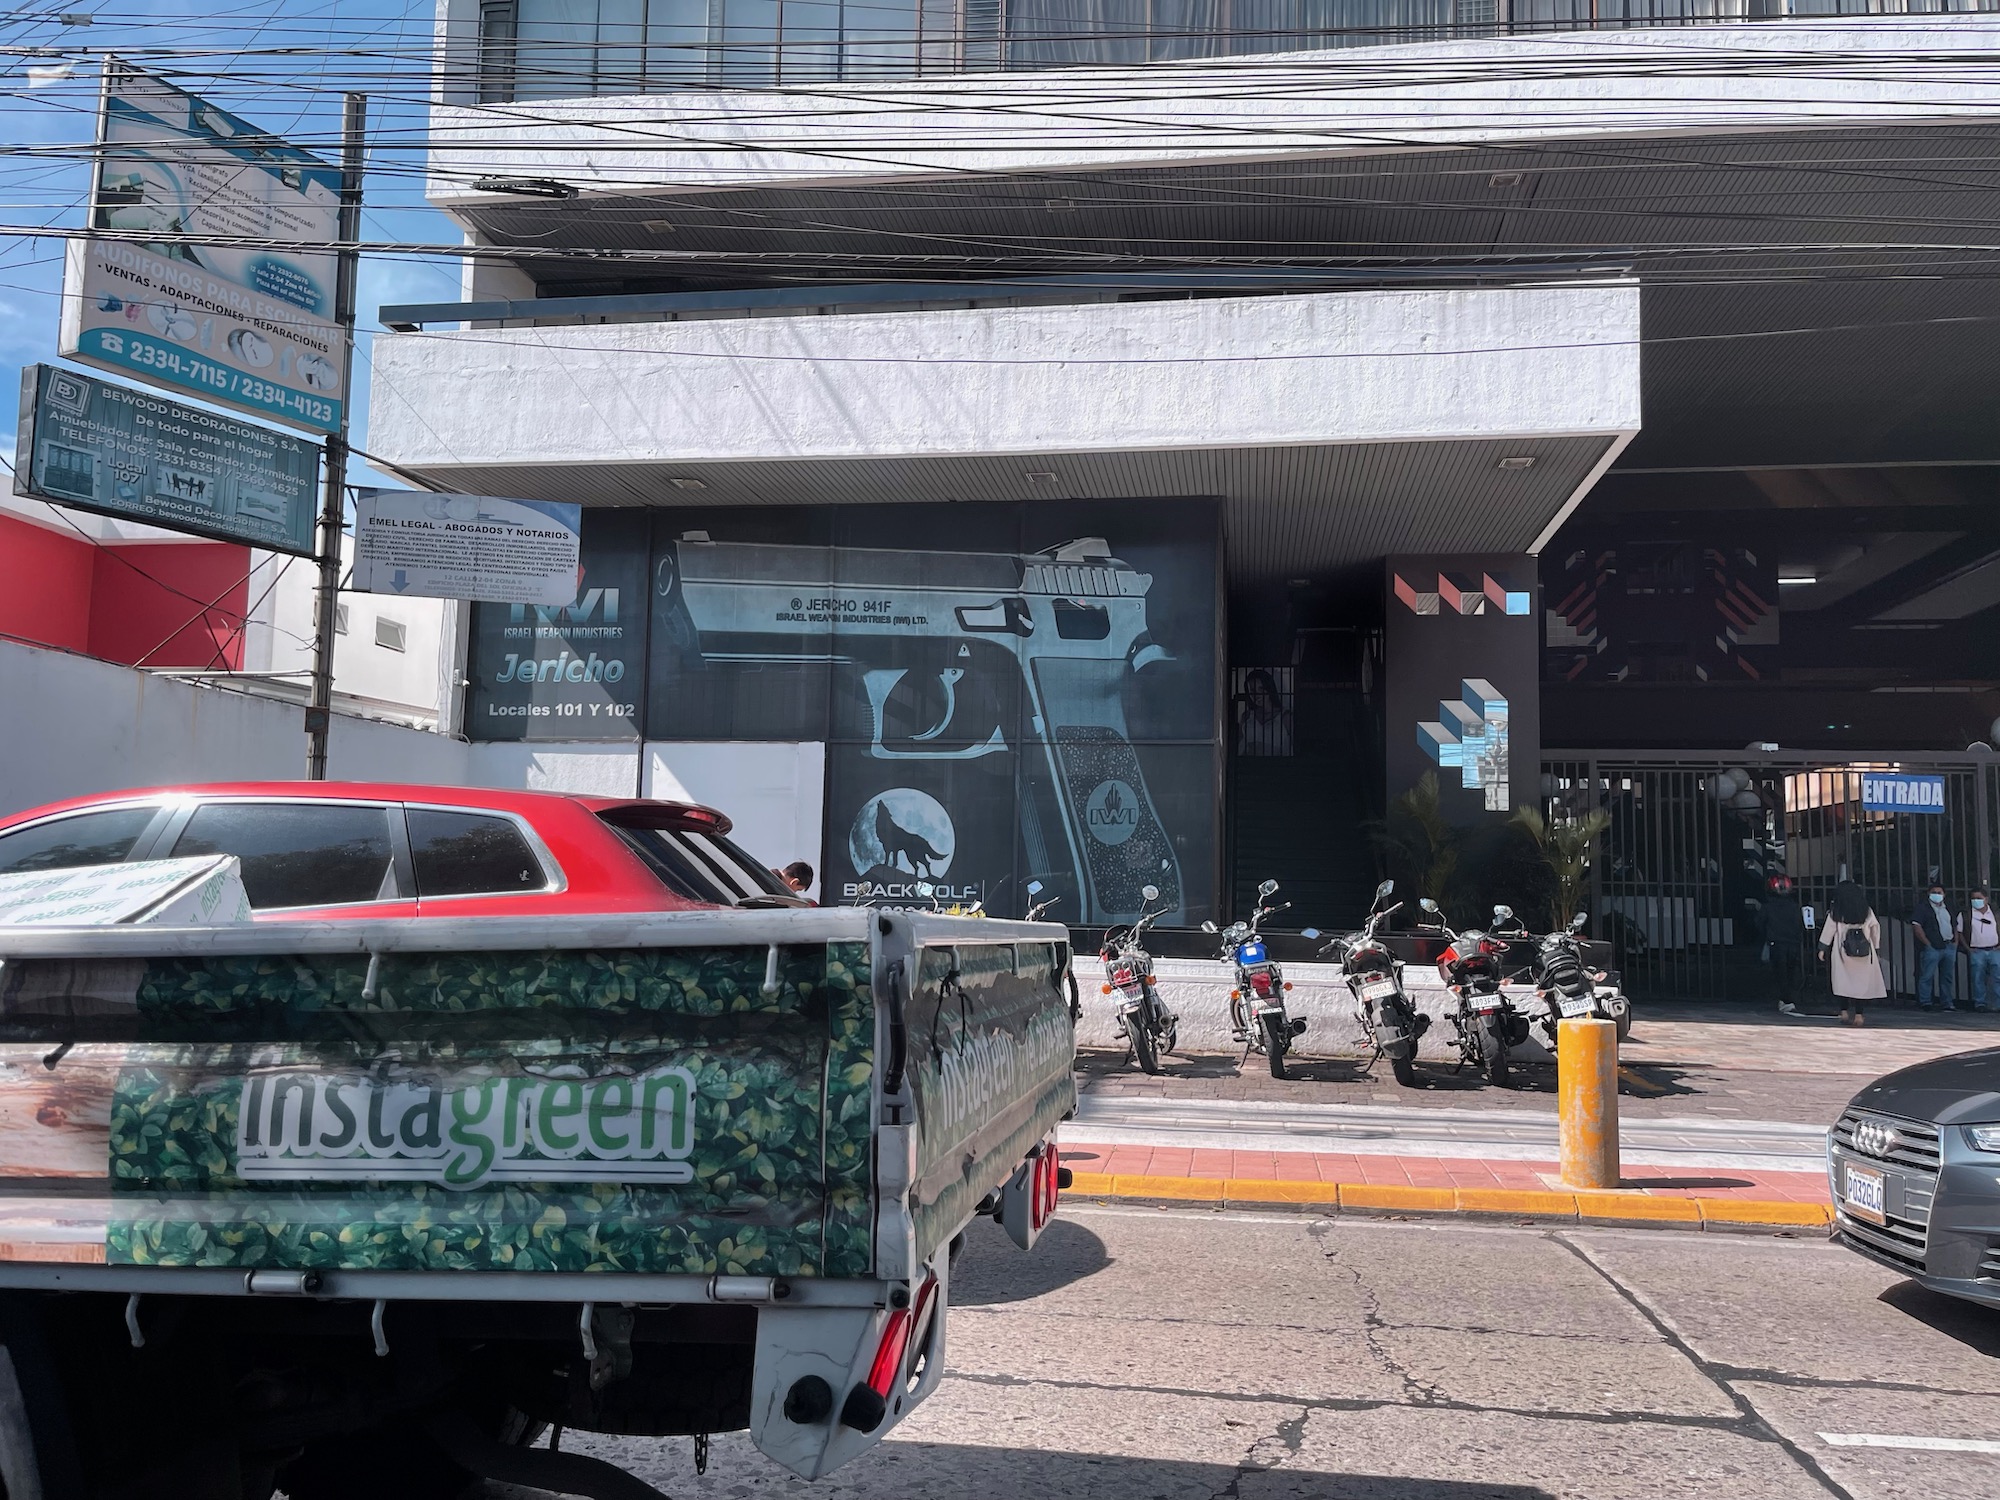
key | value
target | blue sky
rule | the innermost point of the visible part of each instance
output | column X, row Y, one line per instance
column 218, row 52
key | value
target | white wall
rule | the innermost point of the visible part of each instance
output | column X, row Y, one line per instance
column 593, row 770
column 1810, row 74
column 1346, row 367
column 72, row 725
column 284, row 596
column 774, row 794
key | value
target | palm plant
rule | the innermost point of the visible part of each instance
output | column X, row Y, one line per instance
column 1565, row 846
column 1418, row 842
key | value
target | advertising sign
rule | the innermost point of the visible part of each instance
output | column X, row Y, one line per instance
column 574, row 670
column 1463, row 689
column 1897, row 793
column 120, row 452
column 245, row 326
column 466, row 547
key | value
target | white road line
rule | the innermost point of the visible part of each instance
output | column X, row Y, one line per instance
column 1924, row 1444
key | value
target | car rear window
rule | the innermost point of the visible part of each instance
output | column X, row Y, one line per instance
column 92, row 838
column 468, row 854
column 299, row 854
column 706, row 867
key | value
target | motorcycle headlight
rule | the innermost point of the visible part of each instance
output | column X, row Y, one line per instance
column 1984, row 1137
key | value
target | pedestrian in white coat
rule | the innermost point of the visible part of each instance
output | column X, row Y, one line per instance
column 1851, row 946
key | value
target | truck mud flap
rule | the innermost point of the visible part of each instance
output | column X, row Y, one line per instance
column 831, row 1382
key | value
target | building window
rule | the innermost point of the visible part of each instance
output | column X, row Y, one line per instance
column 497, row 21
column 340, row 619
column 389, row 634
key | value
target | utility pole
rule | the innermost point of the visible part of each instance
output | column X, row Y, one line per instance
column 319, row 709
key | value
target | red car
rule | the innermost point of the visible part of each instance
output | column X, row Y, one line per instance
column 380, row 849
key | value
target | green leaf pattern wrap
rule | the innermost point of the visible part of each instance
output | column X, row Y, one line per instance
column 781, row 1110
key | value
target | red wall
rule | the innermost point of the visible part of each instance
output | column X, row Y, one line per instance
column 129, row 602
column 138, row 621
column 44, row 585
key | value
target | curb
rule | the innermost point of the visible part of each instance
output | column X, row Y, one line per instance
column 1583, row 1207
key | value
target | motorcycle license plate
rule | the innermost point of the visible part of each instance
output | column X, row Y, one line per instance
column 1378, row 989
column 1576, row 1005
column 1861, row 1193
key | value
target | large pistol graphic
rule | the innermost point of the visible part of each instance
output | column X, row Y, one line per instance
column 924, row 629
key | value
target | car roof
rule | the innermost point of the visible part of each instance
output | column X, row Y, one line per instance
column 494, row 798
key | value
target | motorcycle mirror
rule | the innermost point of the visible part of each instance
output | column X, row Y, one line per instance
column 925, row 888
column 1269, row 887
column 1385, row 889
column 1150, row 892
column 1576, row 922
column 1310, row 932
column 1034, row 888
column 1502, row 913
column 1210, row 927
column 1427, row 904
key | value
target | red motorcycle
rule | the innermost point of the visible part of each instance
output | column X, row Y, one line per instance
column 1472, row 966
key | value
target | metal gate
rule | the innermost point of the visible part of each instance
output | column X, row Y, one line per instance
column 1678, row 878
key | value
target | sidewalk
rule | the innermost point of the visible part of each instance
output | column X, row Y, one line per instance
column 1723, row 1108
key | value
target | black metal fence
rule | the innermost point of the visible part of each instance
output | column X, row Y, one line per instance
column 1678, row 878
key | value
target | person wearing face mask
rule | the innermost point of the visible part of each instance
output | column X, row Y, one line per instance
column 1979, row 932
column 1937, row 950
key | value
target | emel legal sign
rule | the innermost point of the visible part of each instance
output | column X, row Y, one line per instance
column 1900, row 793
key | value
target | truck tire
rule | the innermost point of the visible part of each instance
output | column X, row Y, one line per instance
column 1277, row 1037
column 1493, row 1049
column 1144, row 1047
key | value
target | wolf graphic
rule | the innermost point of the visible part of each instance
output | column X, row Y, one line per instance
column 900, row 847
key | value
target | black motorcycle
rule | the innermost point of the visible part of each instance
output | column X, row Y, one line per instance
column 1374, row 976
column 1128, row 972
column 1473, row 966
column 1568, row 989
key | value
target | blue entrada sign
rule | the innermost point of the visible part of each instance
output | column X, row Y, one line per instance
column 1913, row 794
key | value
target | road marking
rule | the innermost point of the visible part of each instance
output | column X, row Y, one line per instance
column 1925, row 1444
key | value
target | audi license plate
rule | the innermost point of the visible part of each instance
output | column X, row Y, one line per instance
column 1861, row 1193
column 1378, row 989
column 1575, row 1005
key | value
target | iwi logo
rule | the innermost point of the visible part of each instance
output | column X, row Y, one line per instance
column 314, row 1127
column 592, row 605
column 1111, row 812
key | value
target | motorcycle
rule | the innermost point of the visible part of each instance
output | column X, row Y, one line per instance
column 1485, row 1026
column 1128, row 969
column 1257, row 1004
column 1374, row 976
column 1568, row 988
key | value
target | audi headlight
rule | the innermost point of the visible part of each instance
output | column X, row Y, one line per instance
column 1984, row 1137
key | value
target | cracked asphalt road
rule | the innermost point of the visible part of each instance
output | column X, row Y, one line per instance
column 1162, row 1355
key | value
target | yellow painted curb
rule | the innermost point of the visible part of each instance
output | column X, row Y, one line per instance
column 1599, row 1207
column 1742, row 1211
column 1188, row 1189
column 1384, row 1195
column 1249, row 1190
column 1514, row 1201
column 1637, row 1206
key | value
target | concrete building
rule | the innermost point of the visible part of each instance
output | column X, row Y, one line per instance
column 1124, row 450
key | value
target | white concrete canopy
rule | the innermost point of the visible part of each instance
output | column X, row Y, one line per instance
column 1242, row 398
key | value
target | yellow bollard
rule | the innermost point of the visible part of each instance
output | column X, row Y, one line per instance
column 1587, row 1087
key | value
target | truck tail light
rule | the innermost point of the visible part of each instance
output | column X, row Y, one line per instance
column 868, row 1403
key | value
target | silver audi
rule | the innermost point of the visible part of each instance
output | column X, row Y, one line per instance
column 1914, row 1166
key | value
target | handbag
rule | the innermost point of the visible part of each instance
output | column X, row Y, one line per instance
column 1854, row 943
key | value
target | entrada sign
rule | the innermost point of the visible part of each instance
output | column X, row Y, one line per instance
column 1901, row 793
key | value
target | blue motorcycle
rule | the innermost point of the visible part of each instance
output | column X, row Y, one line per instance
column 1257, row 1004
